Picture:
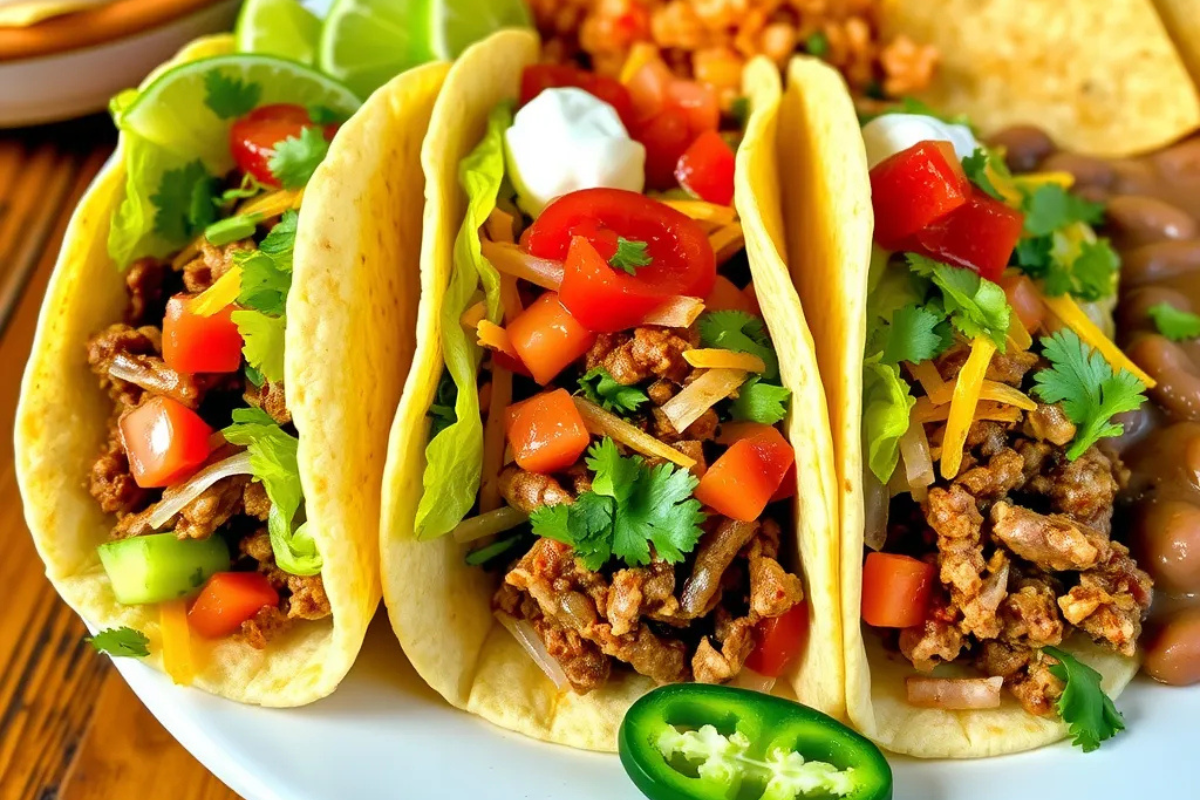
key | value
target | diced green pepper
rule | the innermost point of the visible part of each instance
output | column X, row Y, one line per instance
column 158, row 567
column 702, row 742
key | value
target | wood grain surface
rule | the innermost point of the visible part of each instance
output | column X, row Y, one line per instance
column 70, row 729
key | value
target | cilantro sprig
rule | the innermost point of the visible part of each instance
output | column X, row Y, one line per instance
column 296, row 158
column 742, row 333
column 184, row 202
column 123, row 642
column 975, row 306
column 266, row 280
column 602, row 389
column 760, row 402
column 1090, row 393
column 916, row 333
column 229, row 97
column 1090, row 714
column 1174, row 323
column 630, row 508
column 631, row 256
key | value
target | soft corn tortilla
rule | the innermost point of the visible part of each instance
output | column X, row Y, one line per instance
column 441, row 608
column 1100, row 77
column 350, row 339
column 828, row 212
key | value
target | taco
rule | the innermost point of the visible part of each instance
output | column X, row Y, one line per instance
column 180, row 498
column 972, row 383
column 591, row 477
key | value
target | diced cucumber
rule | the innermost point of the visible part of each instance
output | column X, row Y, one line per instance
column 158, row 567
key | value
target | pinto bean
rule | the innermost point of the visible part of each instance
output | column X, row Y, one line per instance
column 1135, row 220
column 1025, row 146
column 1180, row 161
column 1178, row 389
column 1088, row 171
column 1173, row 648
column 1133, row 314
column 1159, row 261
column 1166, row 543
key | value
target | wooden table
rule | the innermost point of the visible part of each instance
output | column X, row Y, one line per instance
column 70, row 729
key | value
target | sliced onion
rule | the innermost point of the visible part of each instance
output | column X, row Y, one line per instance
column 678, row 312
column 702, row 394
column 875, row 519
column 175, row 498
column 995, row 589
column 918, row 462
column 754, row 681
column 511, row 260
column 954, row 694
column 489, row 524
column 128, row 369
column 603, row 423
column 532, row 644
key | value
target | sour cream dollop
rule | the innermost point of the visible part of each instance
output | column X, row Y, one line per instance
column 565, row 140
column 894, row 133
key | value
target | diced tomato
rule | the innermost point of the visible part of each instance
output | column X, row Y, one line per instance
column 666, row 137
column 787, row 489
column 698, row 102
column 539, row 77
column 515, row 365
column 613, row 92
column 725, row 296
column 914, row 188
column 742, row 481
column 648, row 88
column 706, row 169
column 979, row 235
column 193, row 344
column 548, row 338
column 164, row 440
column 606, row 299
column 547, row 433
column 895, row 590
column 778, row 640
column 1024, row 299
column 252, row 138
column 228, row 600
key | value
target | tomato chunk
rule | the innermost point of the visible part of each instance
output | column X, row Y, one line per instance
column 914, row 188
column 706, row 169
column 746, row 476
column 193, row 343
column 164, row 440
column 605, row 299
column 666, row 137
column 1024, row 299
column 252, row 138
column 228, row 600
column 979, row 235
column 895, row 590
column 547, row 433
column 778, row 640
column 548, row 338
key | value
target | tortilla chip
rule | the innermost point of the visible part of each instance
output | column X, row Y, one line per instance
column 1100, row 77
column 1182, row 18
column 441, row 608
column 338, row 393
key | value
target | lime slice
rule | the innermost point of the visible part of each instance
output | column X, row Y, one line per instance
column 278, row 28
column 455, row 25
column 366, row 43
column 176, row 111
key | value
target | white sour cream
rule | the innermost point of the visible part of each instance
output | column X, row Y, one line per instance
column 894, row 133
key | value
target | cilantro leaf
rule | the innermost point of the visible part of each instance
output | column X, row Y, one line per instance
column 263, row 344
column 183, row 204
column 976, row 167
column 1051, row 207
column 760, row 402
column 296, row 158
column 742, row 333
column 1094, row 271
column 267, row 271
column 324, row 115
column 254, row 376
column 1089, row 713
column 229, row 97
column 1087, row 388
column 121, row 642
column 976, row 307
column 273, row 463
column 630, row 508
column 916, row 334
column 602, row 389
column 817, row 44
column 280, row 243
column 631, row 255
column 1173, row 323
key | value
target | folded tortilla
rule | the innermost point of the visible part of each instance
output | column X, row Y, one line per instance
column 827, row 205
column 441, row 608
column 350, row 340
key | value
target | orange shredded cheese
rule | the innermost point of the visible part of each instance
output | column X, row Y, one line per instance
column 176, row 642
column 710, row 215
column 601, row 423
column 511, row 260
column 641, row 54
column 499, row 226
column 473, row 315
column 928, row 376
column 926, row 412
column 510, row 297
column 493, row 337
column 989, row 390
column 225, row 290
column 962, row 406
column 1067, row 310
column 712, row 358
column 727, row 242
column 1018, row 337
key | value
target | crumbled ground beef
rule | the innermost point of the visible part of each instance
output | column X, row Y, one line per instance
column 271, row 398
column 111, row 482
column 1007, row 368
column 138, row 349
column 211, row 263
column 268, row 623
column 528, row 491
column 255, row 501
column 146, row 281
column 642, row 354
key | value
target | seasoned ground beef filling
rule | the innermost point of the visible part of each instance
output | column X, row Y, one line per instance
column 236, row 507
column 1022, row 542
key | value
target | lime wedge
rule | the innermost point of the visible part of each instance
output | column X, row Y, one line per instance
column 455, row 25
column 366, row 43
column 278, row 28
column 176, row 111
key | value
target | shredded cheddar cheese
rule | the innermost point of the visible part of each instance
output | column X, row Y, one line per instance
column 1018, row 337
column 727, row 242
column 711, row 358
column 225, row 290
column 962, row 406
column 710, row 215
column 601, row 423
column 473, row 315
column 493, row 337
column 176, row 642
column 926, row 412
column 928, row 376
column 641, row 54
column 990, row 390
column 1067, row 310
column 499, row 226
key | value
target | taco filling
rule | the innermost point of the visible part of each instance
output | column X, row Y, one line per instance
column 199, row 468
column 990, row 390
column 613, row 449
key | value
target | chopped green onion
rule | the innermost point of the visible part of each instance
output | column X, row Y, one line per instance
column 226, row 231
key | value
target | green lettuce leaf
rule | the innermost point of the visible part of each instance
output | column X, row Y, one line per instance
column 887, row 402
column 453, row 457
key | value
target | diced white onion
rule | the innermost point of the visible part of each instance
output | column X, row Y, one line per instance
column 700, row 395
column 954, row 694
column 918, row 462
column 876, row 501
column 532, row 644
column 175, row 498
column 754, row 681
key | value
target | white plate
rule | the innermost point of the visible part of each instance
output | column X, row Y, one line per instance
column 385, row 735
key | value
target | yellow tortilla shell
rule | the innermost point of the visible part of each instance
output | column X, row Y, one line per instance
column 1100, row 77
column 441, row 608
column 828, row 210
column 349, row 342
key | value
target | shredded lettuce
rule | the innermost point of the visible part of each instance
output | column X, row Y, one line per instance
column 453, row 457
column 273, row 462
column 887, row 402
